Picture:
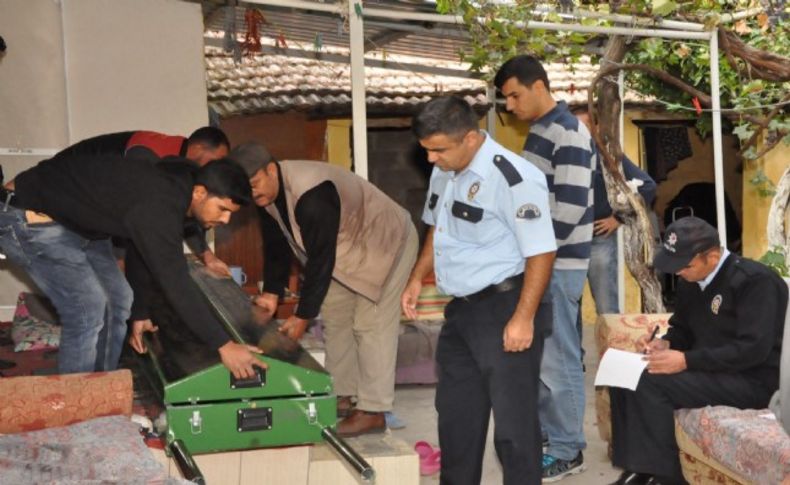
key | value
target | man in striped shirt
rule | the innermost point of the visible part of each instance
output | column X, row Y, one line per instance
column 561, row 147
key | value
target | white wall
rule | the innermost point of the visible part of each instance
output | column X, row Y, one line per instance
column 134, row 64
column 78, row 68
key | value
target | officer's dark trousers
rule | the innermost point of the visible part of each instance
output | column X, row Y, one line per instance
column 475, row 376
column 643, row 428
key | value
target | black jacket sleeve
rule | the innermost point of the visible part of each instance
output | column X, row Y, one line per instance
column 140, row 280
column 318, row 215
column 757, row 307
column 141, row 154
column 195, row 237
column 276, row 255
column 679, row 334
column 156, row 229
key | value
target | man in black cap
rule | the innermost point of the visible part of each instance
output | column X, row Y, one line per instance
column 723, row 348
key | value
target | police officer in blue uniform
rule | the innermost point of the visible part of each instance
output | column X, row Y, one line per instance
column 491, row 246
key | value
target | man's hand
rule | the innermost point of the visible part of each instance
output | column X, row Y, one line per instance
column 518, row 334
column 666, row 362
column 408, row 300
column 645, row 345
column 294, row 327
column 214, row 264
column 605, row 226
column 267, row 301
column 136, row 339
column 239, row 359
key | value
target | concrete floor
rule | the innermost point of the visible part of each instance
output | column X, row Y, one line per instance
column 414, row 406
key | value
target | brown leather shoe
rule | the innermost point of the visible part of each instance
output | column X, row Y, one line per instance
column 344, row 406
column 361, row 422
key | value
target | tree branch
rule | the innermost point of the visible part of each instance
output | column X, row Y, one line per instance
column 764, row 124
column 759, row 64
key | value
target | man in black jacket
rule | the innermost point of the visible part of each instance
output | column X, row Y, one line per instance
column 57, row 225
column 723, row 348
column 203, row 145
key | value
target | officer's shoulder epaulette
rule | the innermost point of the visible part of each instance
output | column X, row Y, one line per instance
column 508, row 170
column 748, row 268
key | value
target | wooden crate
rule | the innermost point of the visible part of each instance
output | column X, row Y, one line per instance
column 393, row 460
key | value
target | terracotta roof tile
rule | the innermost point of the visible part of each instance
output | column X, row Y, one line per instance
column 275, row 83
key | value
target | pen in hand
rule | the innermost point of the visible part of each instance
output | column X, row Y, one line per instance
column 652, row 337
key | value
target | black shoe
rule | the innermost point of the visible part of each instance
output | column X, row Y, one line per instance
column 633, row 478
column 556, row 469
column 6, row 364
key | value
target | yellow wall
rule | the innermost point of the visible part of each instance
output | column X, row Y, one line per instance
column 338, row 142
column 755, row 208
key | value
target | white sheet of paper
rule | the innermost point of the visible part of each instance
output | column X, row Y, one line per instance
column 619, row 368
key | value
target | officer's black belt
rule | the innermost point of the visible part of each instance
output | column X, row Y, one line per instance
column 506, row 285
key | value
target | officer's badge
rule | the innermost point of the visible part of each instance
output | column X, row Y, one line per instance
column 528, row 211
column 715, row 304
column 473, row 189
column 670, row 241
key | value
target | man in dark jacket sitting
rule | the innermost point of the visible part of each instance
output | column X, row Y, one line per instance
column 723, row 347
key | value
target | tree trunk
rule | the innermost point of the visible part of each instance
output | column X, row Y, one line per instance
column 778, row 234
column 630, row 207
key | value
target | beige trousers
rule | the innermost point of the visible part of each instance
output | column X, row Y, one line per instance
column 362, row 336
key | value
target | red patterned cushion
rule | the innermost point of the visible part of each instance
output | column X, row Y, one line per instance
column 36, row 402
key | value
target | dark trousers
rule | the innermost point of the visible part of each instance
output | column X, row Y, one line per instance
column 643, row 427
column 475, row 376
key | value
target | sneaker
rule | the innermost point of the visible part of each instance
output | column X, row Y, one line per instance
column 555, row 469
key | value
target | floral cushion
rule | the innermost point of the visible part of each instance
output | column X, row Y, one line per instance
column 749, row 442
column 30, row 332
column 620, row 331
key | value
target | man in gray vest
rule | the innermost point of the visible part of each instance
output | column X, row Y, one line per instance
column 356, row 247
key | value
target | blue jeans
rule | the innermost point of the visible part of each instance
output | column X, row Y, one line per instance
column 603, row 274
column 83, row 281
column 561, row 376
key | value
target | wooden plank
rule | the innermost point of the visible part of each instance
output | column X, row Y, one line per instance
column 393, row 460
column 219, row 468
column 275, row 466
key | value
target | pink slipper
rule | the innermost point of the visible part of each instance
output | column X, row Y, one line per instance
column 431, row 464
column 423, row 449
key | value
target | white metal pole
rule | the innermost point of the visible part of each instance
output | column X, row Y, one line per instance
column 66, row 76
column 358, row 114
column 624, row 19
column 457, row 19
column 620, row 240
column 491, row 115
column 718, row 158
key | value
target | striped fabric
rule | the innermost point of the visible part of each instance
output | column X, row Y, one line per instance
column 431, row 303
column 561, row 147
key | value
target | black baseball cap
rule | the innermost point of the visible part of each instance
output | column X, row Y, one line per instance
column 251, row 156
column 684, row 239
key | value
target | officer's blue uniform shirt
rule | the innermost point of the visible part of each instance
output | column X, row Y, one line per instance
column 487, row 219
